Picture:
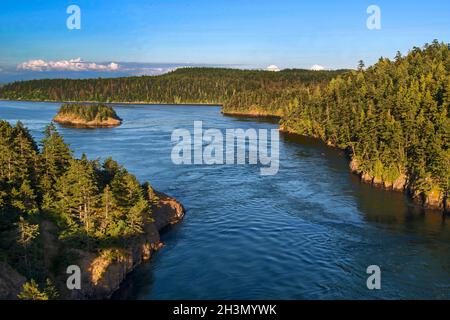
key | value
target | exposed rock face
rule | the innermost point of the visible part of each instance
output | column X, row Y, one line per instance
column 388, row 185
column 78, row 122
column 354, row 166
column 254, row 112
column 378, row 181
column 10, row 282
column 103, row 273
column 169, row 212
column 435, row 199
column 366, row 178
column 400, row 183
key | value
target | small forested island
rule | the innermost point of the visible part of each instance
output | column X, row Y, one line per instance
column 392, row 118
column 87, row 115
column 57, row 211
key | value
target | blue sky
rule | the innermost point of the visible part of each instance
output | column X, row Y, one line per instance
column 248, row 34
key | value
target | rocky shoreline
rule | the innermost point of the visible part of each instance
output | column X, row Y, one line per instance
column 436, row 200
column 75, row 121
column 255, row 113
column 102, row 272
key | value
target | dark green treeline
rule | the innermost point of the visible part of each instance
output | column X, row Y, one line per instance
column 235, row 89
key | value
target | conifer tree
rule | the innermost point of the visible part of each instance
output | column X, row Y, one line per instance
column 56, row 156
column 81, row 197
column 31, row 291
column 27, row 233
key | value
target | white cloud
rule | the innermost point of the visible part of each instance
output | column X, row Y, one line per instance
column 317, row 67
column 66, row 65
column 273, row 67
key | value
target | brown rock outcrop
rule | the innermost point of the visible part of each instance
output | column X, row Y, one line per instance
column 103, row 272
column 75, row 121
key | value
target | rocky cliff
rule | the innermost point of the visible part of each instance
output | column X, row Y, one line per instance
column 103, row 272
column 435, row 199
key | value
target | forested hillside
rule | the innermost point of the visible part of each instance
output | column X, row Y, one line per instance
column 237, row 90
column 45, row 192
column 392, row 117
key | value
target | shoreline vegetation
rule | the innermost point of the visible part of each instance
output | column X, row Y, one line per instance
column 393, row 121
column 88, row 102
column 87, row 116
column 392, row 118
column 57, row 211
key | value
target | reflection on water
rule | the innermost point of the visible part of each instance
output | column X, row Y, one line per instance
column 308, row 232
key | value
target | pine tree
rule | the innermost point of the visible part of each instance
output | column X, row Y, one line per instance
column 78, row 194
column 56, row 157
column 135, row 217
column 50, row 290
column 31, row 291
column 361, row 65
column 24, row 199
column 27, row 233
column 108, row 213
column 152, row 197
column 25, row 151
